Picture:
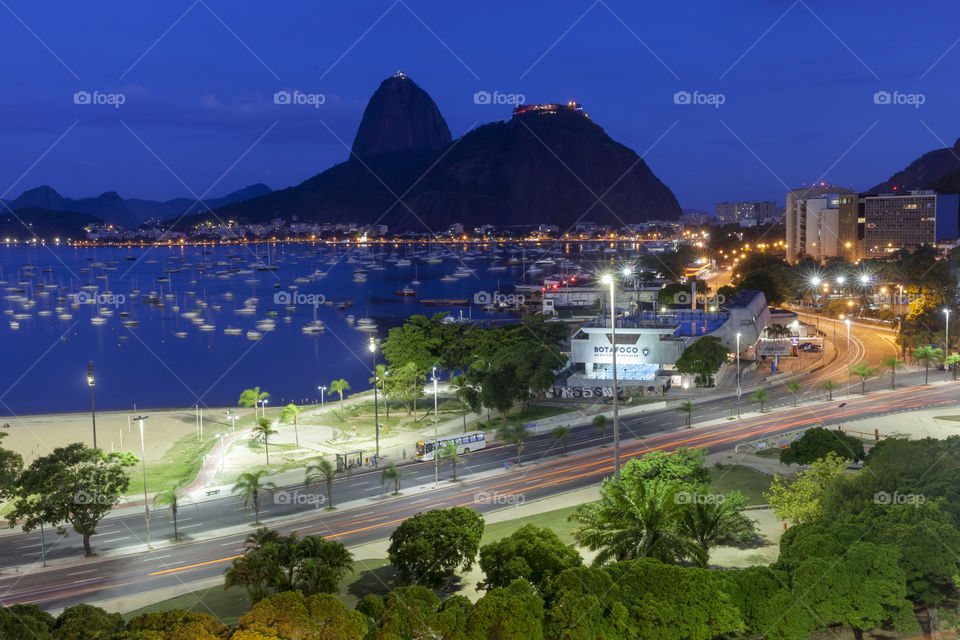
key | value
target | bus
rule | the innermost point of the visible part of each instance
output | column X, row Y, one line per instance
column 466, row 442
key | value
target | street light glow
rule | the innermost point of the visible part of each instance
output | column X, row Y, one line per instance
column 606, row 279
column 627, row 272
column 864, row 279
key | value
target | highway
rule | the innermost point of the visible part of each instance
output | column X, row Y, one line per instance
column 73, row 579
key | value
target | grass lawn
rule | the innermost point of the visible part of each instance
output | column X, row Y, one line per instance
column 750, row 482
column 555, row 520
column 226, row 604
column 950, row 418
column 772, row 452
column 530, row 414
column 179, row 466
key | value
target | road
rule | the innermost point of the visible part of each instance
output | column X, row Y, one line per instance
column 74, row 580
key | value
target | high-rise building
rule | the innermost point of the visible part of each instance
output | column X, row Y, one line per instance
column 747, row 214
column 822, row 236
column 893, row 221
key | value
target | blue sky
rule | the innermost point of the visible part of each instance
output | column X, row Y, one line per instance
column 797, row 81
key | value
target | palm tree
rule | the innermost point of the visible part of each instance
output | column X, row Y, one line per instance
column 249, row 486
column 169, row 498
column 953, row 361
column 686, row 407
column 560, row 435
column 893, row 364
column 252, row 398
column 927, row 355
column 760, row 395
column 290, row 413
column 829, row 386
column 794, row 388
column 265, row 429
column 514, row 434
column 391, row 473
column 339, row 386
column 707, row 522
column 450, row 451
column 325, row 562
column 322, row 470
column 634, row 520
column 462, row 389
column 600, row 423
column 863, row 371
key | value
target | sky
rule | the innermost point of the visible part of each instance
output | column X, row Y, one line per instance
column 734, row 100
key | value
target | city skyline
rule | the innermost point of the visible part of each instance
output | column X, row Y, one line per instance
column 198, row 84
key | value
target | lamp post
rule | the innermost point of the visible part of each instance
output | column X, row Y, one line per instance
column 946, row 339
column 322, row 389
column 847, row 322
column 143, row 463
column 376, row 406
column 739, row 389
column 608, row 280
column 93, row 409
column 436, row 437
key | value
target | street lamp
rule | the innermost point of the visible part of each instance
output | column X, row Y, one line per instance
column 847, row 322
column 739, row 390
column 376, row 406
column 143, row 463
column 322, row 389
column 93, row 409
column 608, row 280
column 946, row 339
column 436, row 436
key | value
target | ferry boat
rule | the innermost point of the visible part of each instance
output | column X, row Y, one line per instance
column 407, row 292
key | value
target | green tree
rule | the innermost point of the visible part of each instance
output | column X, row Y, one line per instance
column 411, row 613
column 863, row 371
column 760, row 396
column 817, row 442
column 379, row 380
column 450, row 452
column 290, row 615
column 86, row 622
column 828, row 386
column 794, row 388
column 291, row 413
column 511, row 612
column 893, row 364
column 26, row 621
column 252, row 398
column 601, row 424
column 168, row 498
column 709, row 519
column 532, row 553
column 684, row 467
column 953, row 361
column 264, row 429
column 429, row 547
column 11, row 464
column 515, row 435
column 686, row 407
column 703, row 358
column 560, row 434
column 72, row 485
column 768, row 607
column 322, row 470
column 634, row 520
column 465, row 393
column 249, row 488
column 391, row 474
column 175, row 624
column 338, row 387
column 801, row 500
column 927, row 355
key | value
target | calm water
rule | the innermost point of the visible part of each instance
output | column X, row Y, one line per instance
column 167, row 360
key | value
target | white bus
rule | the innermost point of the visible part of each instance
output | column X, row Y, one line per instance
column 466, row 442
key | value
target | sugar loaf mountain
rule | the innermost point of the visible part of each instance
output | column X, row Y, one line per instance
column 546, row 164
column 938, row 170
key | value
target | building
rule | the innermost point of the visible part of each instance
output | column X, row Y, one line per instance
column 747, row 214
column 650, row 342
column 803, row 241
column 894, row 221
